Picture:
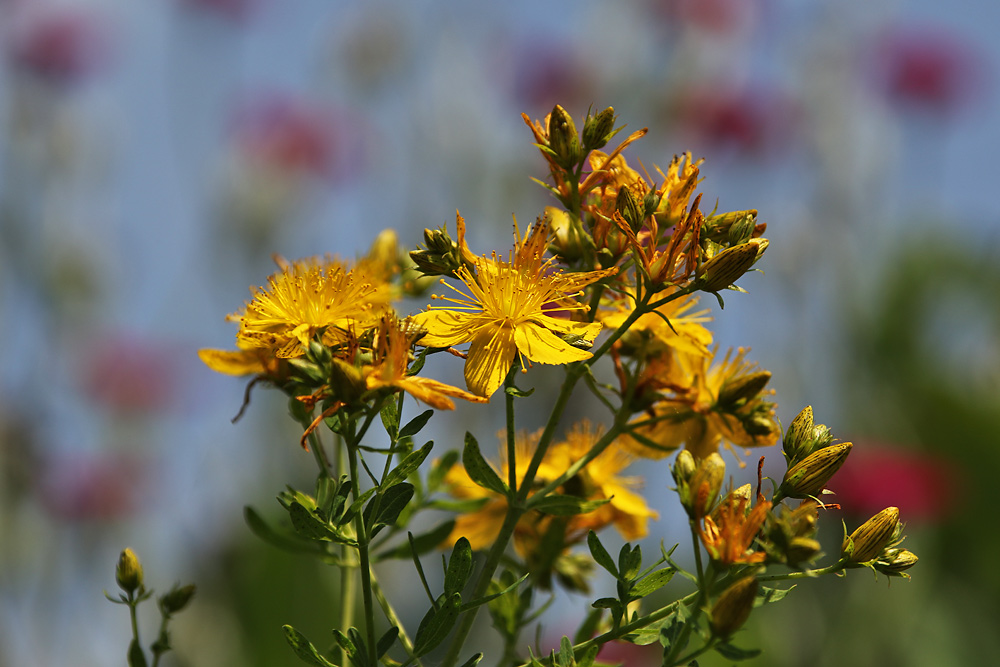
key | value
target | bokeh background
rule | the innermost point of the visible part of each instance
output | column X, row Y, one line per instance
column 153, row 155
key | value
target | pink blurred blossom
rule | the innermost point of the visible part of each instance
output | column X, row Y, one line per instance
column 291, row 134
column 749, row 121
column 99, row 487
column 546, row 74
column 877, row 476
column 927, row 69
column 59, row 44
column 129, row 374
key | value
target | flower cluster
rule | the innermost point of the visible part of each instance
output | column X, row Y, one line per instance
column 613, row 272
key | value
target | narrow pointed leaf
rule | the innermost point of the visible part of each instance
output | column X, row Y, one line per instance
column 436, row 625
column 459, row 567
column 407, row 466
column 600, row 554
column 304, row 649
column 413, row 426
column 652, row 582
column 479, row 470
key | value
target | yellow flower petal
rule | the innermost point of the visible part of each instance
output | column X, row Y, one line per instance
column 490, row 357
column 233, row 362
column 544, row 347
column 445, row 327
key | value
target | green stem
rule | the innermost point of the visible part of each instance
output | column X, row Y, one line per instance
column 508, row 383
column 804, row 574
column 705, row 581
column 362, row 536
column 493, row 559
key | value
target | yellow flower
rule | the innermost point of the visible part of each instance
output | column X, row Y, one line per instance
column 672, row 326
column 506, row 313
column 392, row 356
column 701, row 422
column 729, row 532
column 600, row 480
column 309, row 297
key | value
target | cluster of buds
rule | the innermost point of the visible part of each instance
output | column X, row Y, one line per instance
column 875, row 543
column 439, row 256
column 789, row 535
column 811, row 456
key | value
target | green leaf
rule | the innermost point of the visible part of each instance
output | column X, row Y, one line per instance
column 479, row 470
column 460, row 506
column 730, row 652
column 440, row 469
column 268, row 534
column 384, row 509
column 422, row 543
column 519, row 393
column 136, row 658
column 673, row 626
column 436, row 625
column 766, row 595
column 600, row 554
column 408, row 465
column 308, row 525
column 390, row 419
column 588, row 657
column 356, row 506
column 643, row 636
column 345, row 642
column 629, row 561
column 304, row 649
column 386, row 641
column 654, row 581
column 413, row 426
column 606, row 603
column 566, row 657
column 459, row 567
column 558, row 504
column 473, row 661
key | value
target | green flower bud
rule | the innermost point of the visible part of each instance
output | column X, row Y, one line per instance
column 563, row 139
column 704, row 485
column 440, row 256
column 716, row 227
column 797, row 434
column 894, row 561
column 176, row 599
column 128, row 573
column 741, row 231
column 630, row 209
column 684, row 467
column 743, row 388
column 809, row 476
column 598, row 130
column 733, row 607
column 801, row 550
column 725, row 268
column 871, row 537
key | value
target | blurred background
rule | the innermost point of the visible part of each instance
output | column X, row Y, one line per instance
column 154, row 154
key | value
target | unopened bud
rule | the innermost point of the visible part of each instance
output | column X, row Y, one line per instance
column 717, row 227
column 563, row 139
column 809, row 476
column 566, row 241
column 630, row 208
column 733, row 607
column 385, row 249
column 684, row 467
column 598, row 130
column 440, row 256
column 894, row 561
column 725, row 268
column 704, row 485
column 797, row 434
column 176, row 599
column 743, row 388
column 801, row 550
column 871, row 537
column 741, row 231
column 128, row 573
